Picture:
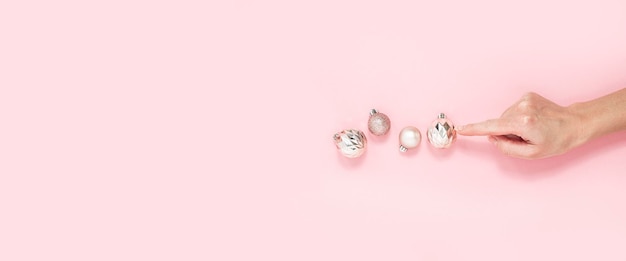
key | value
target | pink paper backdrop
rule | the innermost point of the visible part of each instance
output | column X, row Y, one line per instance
column 201, row 130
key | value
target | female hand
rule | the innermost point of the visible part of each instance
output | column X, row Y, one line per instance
column 532, row 128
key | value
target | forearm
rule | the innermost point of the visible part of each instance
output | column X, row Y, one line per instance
column 601, row 116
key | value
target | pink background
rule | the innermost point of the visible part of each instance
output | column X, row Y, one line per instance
column 187, row 130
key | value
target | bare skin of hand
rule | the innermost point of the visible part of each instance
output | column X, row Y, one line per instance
column 535, row 127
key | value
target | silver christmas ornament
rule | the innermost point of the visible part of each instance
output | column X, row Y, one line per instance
column 441, row 133
column 350, row 143
column 409, row 138
column 378, row 123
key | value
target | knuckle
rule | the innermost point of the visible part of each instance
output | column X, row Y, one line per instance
column 528, row 120
column 529, row 101
column 525, row 105
column 529, row 95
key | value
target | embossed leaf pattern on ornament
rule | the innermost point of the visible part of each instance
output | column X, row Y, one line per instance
column 441, row 134
column 351, row 143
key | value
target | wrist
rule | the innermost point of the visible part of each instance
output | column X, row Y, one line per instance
column 583, row 123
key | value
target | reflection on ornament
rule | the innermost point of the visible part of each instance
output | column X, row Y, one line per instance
column 441, row 133
column 410, row 138
column 351, row 143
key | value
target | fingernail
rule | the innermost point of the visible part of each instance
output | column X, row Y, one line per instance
column 459, row 128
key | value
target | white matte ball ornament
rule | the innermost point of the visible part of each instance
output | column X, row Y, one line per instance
column 441, row 133
column 410, row 138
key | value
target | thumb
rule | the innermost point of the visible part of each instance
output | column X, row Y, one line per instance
column 513, row 148
column 488, row 127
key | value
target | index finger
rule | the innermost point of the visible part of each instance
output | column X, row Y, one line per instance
column 488, row 127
